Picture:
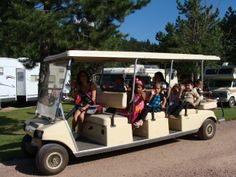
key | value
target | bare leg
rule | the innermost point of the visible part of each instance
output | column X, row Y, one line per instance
column 75, row 120
column 81, row 121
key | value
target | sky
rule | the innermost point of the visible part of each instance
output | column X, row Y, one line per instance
column 145, row 23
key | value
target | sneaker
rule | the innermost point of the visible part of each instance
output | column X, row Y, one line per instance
column 138, row 124
column 135, row 124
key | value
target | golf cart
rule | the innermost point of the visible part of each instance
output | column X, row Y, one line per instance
column 49, row 137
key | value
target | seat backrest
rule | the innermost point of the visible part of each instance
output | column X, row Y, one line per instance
column 112, row 99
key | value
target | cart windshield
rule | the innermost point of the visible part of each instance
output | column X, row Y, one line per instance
column 52, row 91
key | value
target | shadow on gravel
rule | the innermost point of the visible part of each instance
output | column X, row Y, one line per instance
column 25, row 166
column 120, row 152
column 28, row 167
column 190, row 137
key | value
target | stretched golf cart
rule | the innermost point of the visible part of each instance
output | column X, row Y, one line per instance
column 50, row 139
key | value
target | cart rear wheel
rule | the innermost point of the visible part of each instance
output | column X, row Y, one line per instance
column 51, row 159
column 207, row 130
column 27, row 147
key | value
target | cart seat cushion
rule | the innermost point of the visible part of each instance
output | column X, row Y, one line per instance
column 156, row 115
column 112, row 99
column 105, row 119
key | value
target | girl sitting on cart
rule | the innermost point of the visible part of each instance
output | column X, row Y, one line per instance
column 85, row 96
column 157, row 102
column 138, row 104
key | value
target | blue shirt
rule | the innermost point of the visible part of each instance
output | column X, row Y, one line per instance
column 155, row 103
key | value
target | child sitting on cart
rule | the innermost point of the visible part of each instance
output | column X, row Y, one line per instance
column 138, row 103
column 189, row 99
column 157, row 102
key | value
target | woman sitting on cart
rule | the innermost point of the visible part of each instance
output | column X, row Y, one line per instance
column 84, row 93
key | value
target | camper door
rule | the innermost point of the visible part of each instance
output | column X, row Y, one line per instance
column 20, row 82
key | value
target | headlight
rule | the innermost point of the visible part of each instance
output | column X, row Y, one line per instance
column 38, row 134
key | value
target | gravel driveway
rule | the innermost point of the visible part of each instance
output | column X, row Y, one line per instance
column 182, row 157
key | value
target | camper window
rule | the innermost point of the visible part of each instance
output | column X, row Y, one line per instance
column 20, row 76
column 61, row 70
column 1, row 70
column 34, row 78
column 51, row 79
column 61, row 81
column 225, row 71
column 211, row 71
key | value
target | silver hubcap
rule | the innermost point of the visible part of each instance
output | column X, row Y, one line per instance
column 209, row 130
column 54, row 160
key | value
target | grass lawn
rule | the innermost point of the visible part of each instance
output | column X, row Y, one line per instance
column 11, row 129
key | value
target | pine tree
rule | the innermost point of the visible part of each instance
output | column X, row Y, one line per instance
column 229, row 28
column 196, row 31
column 38, row 28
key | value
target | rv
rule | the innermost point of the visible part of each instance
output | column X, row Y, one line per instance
column 144, row 71
column 222, row 83
column 17, row 82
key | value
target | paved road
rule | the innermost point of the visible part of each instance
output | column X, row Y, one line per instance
column 181, row 157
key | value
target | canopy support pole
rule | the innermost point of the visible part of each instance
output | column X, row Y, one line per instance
column 131, row 102
column 169, row 89
column 202, row 71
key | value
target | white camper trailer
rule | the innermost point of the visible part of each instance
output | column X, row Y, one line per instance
column 17, row 82
column 148, row 70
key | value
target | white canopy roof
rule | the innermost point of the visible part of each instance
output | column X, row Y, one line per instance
column 121, row 56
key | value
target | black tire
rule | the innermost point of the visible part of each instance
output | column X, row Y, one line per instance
column 51, row 159
column 207, row 130
column 27, row 147
column 231, row 102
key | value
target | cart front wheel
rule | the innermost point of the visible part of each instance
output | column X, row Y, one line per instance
column 51, row 159
column 207, row 130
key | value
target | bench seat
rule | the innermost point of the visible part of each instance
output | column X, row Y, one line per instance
column 192, row 121
column 153, row 128
column 97, row 128
column 105, row 119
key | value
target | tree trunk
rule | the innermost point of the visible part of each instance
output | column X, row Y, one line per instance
column 43, row 79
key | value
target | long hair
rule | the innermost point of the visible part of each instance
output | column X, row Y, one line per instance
column 160, row 75
column 78, row 77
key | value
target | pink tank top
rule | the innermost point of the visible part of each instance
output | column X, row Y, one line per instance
column 138, row 107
